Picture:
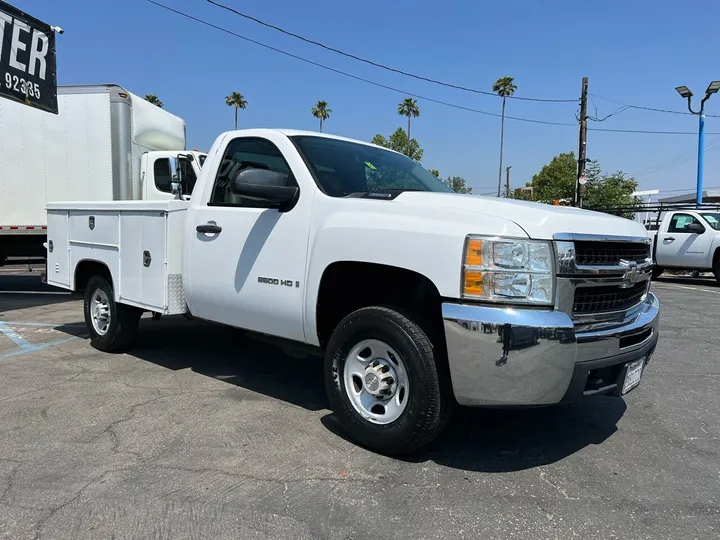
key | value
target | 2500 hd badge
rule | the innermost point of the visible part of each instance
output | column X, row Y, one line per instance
column 276, row 281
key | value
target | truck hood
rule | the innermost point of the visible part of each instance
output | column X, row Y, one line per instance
column 540, row 221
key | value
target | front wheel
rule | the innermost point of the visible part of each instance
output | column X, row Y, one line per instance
column 657, row 271
column 112, row 326
column 385, row 382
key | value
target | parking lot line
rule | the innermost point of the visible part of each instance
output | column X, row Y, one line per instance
column 675, row 285
column 35, row 348
column 16, row 338
column 25, row 347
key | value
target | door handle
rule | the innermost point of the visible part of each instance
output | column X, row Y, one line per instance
column 670, row 239
column 208, row 228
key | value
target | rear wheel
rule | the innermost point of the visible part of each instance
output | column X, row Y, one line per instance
column 657, row 271
column 716, row 269
column 112, row 326
column 383, row 381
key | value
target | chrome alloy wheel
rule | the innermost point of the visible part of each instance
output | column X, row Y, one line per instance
column 100, row 312
column 376, row 381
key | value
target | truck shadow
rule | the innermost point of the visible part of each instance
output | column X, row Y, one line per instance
column 232, row 356
column 27, row 291
column 488, row 440
column 496, row 440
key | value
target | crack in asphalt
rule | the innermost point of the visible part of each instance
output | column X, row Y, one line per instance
column 279, row 481
column 11, row 477
column 53, row 511
column 64, row 381
column 543, row 476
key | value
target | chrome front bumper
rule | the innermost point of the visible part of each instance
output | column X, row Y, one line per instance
column 506, row 356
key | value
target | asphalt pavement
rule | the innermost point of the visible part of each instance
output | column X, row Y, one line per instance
column 203, row 432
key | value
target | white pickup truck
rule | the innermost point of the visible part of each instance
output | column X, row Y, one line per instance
column 688, row 239
column 418, row 298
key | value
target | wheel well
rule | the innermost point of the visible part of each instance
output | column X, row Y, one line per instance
column 348, row 286
column 86, row 270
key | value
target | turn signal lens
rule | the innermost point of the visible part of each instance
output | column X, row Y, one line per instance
column 474, row 255
column 473, row 283
column 498, row 269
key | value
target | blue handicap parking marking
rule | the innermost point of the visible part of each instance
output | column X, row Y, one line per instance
column 23, row 346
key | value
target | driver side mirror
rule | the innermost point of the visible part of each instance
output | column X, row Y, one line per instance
column 695, row 228
column 264, row 185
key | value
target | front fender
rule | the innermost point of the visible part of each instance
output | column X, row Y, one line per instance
column 428, row 241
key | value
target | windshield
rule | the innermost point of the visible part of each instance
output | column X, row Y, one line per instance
column 342, row 168
column 713, row 219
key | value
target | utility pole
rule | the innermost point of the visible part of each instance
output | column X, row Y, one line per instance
column 507, row 181
column 582, row 146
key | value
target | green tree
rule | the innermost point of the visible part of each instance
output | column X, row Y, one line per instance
column 236, row 100
column 398, row 141
column 152, row 98
column 457, row 184
column 408, row 107
column 557, row 180
column 610, row 190
column 321, row 111
column 435, row 172
column 503, row 87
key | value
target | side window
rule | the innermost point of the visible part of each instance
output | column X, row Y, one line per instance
column 247, row 153
column 163, row 172
column 679, row 223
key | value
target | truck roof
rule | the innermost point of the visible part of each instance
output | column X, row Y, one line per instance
column 299, row 132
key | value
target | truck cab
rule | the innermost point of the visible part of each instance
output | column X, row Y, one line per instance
column 160, row 169
column 689, row 239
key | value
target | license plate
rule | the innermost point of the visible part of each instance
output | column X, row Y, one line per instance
column 633, row 375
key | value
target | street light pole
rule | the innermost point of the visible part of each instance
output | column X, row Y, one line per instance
column 701, row 157
column 685, row 92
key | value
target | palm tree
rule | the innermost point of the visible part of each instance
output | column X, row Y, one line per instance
column 408, row 107
column 237, row 100
column 321, row 111
column 503, row 87
column 152, row 98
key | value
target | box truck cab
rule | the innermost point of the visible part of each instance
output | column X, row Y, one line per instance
column 104, row 144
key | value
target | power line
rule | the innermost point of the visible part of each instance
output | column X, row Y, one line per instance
column 405, row 92
column 377, row 64
column 346, row 74
column 650, row 132
column 652, row 109
column 675, row 161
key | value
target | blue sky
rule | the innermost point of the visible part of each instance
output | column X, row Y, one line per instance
column 633, row 52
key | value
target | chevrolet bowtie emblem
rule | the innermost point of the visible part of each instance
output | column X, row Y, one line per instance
column 631, row 275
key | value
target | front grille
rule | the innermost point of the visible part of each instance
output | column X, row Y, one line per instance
column 610, row 253
column 590, row 300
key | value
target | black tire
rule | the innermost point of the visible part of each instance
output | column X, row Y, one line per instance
column 430, row 399
column 716, row 269
column 657, row 271
column 123, row 323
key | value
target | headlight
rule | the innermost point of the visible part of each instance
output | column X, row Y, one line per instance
column 508, row 270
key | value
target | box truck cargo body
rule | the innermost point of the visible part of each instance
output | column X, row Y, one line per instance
column 104, row 144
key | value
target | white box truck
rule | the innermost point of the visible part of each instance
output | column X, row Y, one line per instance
column 105, row 143
column 419, row 298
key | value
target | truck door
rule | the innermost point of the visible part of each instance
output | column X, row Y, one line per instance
column 677, row 246
column 246, row 265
